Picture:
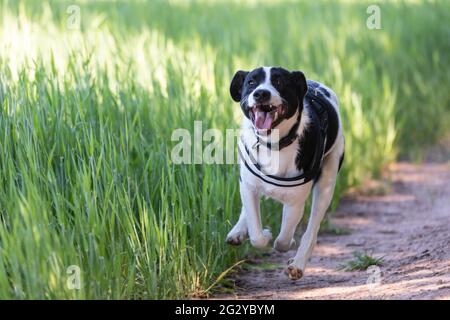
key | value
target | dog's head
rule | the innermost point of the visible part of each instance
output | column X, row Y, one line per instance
column 268, row 95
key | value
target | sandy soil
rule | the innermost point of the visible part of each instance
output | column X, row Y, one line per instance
column 409, row 225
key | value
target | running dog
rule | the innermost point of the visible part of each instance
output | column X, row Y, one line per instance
column 291, row 142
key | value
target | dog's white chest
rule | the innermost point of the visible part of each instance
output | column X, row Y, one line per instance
column 274, row 163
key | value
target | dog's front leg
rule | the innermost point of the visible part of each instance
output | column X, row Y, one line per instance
column 292, row 214
column 250, row 202
column 239, row 233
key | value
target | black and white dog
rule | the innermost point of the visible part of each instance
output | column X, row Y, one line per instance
column 292, row 141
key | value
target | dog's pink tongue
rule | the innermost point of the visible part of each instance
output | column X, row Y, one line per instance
column 263, row 120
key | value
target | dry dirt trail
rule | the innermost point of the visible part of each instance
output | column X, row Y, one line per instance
column 409, row 226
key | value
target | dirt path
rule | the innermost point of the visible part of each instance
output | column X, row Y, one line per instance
column 409, row 227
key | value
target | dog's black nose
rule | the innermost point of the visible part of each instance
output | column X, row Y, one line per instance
column 261, row 95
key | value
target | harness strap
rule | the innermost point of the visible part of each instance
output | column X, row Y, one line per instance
column 318, row 104
column 255, row 168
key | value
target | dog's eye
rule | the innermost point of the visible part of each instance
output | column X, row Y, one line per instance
column 251, row 82
column 278, row 82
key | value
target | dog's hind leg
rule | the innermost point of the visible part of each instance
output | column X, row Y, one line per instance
column 323, row 191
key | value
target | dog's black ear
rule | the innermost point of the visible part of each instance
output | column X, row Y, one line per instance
column 236, row 85
column 300, row 82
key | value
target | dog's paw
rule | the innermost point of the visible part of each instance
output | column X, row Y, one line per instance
column 262, row 241
column 292, row 271
column 283, row 246
column 236, row 238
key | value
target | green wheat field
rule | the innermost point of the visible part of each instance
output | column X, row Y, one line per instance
column 88, row 106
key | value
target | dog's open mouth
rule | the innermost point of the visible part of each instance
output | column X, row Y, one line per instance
column 265, row 116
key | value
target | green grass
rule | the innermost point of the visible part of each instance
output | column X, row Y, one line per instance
column 86, row 118
column 361, row 262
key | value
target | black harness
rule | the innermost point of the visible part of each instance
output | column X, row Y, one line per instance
column 318, row 112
